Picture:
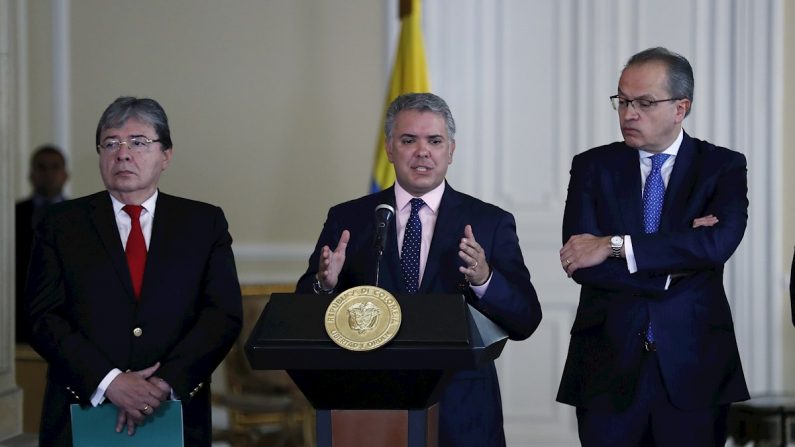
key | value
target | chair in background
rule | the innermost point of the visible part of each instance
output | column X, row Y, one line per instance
column 764, row 421
column 265, row 407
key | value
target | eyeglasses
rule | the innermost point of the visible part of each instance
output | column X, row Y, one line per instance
column 641, row 105
column 134, row 144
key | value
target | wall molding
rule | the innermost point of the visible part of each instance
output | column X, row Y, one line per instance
column 62, row 77
column 271, row 262
column 272, row 251
column 10, row 393
column 23, row 95
column 8, row 108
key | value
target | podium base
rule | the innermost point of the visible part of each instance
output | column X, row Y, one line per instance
column 378, row 428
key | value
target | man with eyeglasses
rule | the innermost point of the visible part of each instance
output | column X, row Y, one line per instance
column 649, row 224
column 132, row 293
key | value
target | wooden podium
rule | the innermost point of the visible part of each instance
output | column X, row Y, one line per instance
column 385, row 397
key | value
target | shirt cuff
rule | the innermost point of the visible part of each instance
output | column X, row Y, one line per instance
column 481, row 289
column 99, row 395
column 632, row 266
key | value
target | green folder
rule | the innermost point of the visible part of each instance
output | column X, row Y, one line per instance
column 96, row 426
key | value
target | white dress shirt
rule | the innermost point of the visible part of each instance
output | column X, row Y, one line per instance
column 428, row 215
column 645, row 169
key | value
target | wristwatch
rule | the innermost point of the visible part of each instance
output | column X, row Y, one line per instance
column 616, row 242
column 318, row 288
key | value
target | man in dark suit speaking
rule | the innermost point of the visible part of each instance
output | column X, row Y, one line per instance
column 132, row 293
column 441, row 241
column 648, row 226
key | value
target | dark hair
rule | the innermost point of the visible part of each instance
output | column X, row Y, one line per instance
column 47, row 149
column 423, row 102
column 680, row 73
column 145, row 110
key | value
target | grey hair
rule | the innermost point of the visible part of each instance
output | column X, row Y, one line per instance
column 145, row 110
column 423, row 102
column 680, row 73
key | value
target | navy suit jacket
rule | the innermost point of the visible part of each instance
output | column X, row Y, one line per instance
column 84, row 313
column 470, row 408
column 696, row 347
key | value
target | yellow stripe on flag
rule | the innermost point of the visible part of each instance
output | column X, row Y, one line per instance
column 409, row 75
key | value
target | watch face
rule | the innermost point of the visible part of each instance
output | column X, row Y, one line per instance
column 616, row 241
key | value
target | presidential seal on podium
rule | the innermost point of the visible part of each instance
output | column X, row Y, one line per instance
column 363, row 318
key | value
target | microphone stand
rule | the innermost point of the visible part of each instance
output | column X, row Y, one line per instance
column 379, row 251
column 382, row 226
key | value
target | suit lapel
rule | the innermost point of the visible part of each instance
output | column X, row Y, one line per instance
column 161, row 225
column 105, row 224
column 626, row 178
column 680, row 183
column 444, row 236
column 391, row 277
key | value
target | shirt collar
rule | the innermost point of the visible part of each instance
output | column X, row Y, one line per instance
column 671, row 150
column 148, row 204
column 432, row 198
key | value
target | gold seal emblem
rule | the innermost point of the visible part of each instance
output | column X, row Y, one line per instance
column 363, row 318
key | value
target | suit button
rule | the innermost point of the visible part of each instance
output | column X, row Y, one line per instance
column 138, row 332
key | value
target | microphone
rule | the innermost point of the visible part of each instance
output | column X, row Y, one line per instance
column 383, row 214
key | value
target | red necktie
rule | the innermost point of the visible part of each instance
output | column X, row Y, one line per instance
column 136, row 248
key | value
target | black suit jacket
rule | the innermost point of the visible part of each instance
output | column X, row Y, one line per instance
column 696, row 347
column 84, row 314
column 23, row 230
column 471, row 409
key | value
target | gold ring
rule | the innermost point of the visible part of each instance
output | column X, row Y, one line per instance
column 566, row 262
column 474, row 266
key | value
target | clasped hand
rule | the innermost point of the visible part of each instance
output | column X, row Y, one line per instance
column 137, row 394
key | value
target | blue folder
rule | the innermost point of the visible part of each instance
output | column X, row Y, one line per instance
column 96, row 426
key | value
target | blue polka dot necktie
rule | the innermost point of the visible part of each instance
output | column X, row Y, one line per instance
column 410, row 253
column 653, row 195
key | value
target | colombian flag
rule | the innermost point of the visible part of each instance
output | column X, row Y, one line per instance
column 409, row 75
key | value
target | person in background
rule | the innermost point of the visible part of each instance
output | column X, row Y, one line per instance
column 132, row 294
column 47, row 176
